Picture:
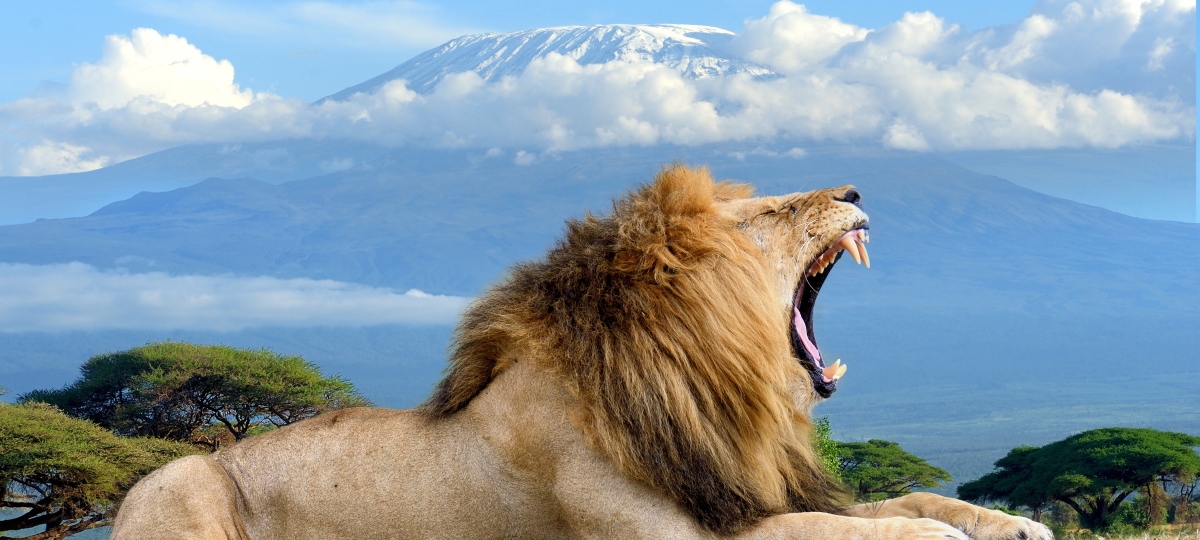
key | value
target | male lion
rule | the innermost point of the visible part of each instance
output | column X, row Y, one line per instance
column 651, row 378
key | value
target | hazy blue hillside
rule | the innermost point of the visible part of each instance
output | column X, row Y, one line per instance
column 26, row 198
column 993, row 315
column 446, row 223
column 1152, row 181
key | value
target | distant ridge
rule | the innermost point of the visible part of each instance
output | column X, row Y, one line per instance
column 695, row 51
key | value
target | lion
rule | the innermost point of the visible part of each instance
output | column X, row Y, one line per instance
column 652, row 377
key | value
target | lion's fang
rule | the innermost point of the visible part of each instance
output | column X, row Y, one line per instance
column 851, row 246
column 834, row 371
column 854, row 242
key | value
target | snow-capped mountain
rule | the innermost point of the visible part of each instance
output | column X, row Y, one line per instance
column 696, row 51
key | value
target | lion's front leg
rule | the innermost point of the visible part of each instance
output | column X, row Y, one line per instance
column 821, row 526
column 979, row 523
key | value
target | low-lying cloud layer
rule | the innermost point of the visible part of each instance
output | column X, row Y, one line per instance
column 77, row 296
column 1102, row 73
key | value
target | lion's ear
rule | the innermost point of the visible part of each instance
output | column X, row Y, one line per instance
column 667, row 226
column 680, row 191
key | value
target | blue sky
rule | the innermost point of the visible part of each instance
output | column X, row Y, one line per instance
column 299, row 57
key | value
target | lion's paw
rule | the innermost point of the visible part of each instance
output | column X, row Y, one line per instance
column 996, row 525
column 919, row 529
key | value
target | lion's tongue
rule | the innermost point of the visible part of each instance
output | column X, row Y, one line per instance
column 830, row 373
column 802, row 330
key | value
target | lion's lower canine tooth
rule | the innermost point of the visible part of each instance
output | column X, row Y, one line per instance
column 841, row 370
column 829, row 371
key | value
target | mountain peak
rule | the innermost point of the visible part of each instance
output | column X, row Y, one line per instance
column 695, row 51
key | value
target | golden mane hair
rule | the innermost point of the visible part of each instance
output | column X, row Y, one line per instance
column 663, row 320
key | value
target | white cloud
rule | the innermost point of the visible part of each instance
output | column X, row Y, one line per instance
column 796, row 153
column 790, row 38
column 159, row 69
column 905, row 137
column 1093, row 45
column 1052, row 80
column 524, row 158
column 57, row 158
column 1162, row 49
column 77, row 296
column 1025, row 44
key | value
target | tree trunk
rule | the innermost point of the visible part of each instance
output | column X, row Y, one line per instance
column 1096, row 514
column 1156, row 497
column 1079, row 511
column 1183, row 503
column 1037, row 513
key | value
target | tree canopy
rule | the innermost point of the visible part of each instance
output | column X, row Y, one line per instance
column 879, row 469
column 1092, row 472
column 68, row 474
column 197, row 393
column 827, row 448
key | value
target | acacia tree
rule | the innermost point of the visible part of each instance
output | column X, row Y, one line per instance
column 67, row 474
column 879, row 469
column 200, row 394
column 1093, row 472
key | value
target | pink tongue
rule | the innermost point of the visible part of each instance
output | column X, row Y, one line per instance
column 803, row 331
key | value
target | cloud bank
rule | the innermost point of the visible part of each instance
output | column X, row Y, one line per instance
column 77, row 296
column 1100, row 73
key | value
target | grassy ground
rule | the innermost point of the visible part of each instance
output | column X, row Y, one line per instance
column 1166, row 532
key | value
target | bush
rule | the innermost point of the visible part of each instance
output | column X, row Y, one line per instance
column 1131, row 516
column 68, row 474
column 827, row 448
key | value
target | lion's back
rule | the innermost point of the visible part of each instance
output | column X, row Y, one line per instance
column 352, row 473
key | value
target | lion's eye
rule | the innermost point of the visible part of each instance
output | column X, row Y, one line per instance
column 794, row 210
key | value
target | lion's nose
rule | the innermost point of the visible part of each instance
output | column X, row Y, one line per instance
column 851, row 196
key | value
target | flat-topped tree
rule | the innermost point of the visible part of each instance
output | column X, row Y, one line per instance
column 67, row 474
column 206, row 394
column 1093, row 472
column 879, row 469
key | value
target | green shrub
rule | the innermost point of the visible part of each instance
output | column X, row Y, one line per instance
column 68, row 474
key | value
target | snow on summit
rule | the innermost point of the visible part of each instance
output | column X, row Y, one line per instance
column 695, row 51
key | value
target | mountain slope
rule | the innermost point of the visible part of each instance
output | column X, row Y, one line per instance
column 26, row 198
column 695, row 51
column 442, row 208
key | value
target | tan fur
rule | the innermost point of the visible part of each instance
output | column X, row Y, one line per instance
column 637, row 383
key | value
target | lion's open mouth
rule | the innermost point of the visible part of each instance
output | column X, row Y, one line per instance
column 804, row 340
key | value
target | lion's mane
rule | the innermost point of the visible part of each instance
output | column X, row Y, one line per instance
column 662, row 319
